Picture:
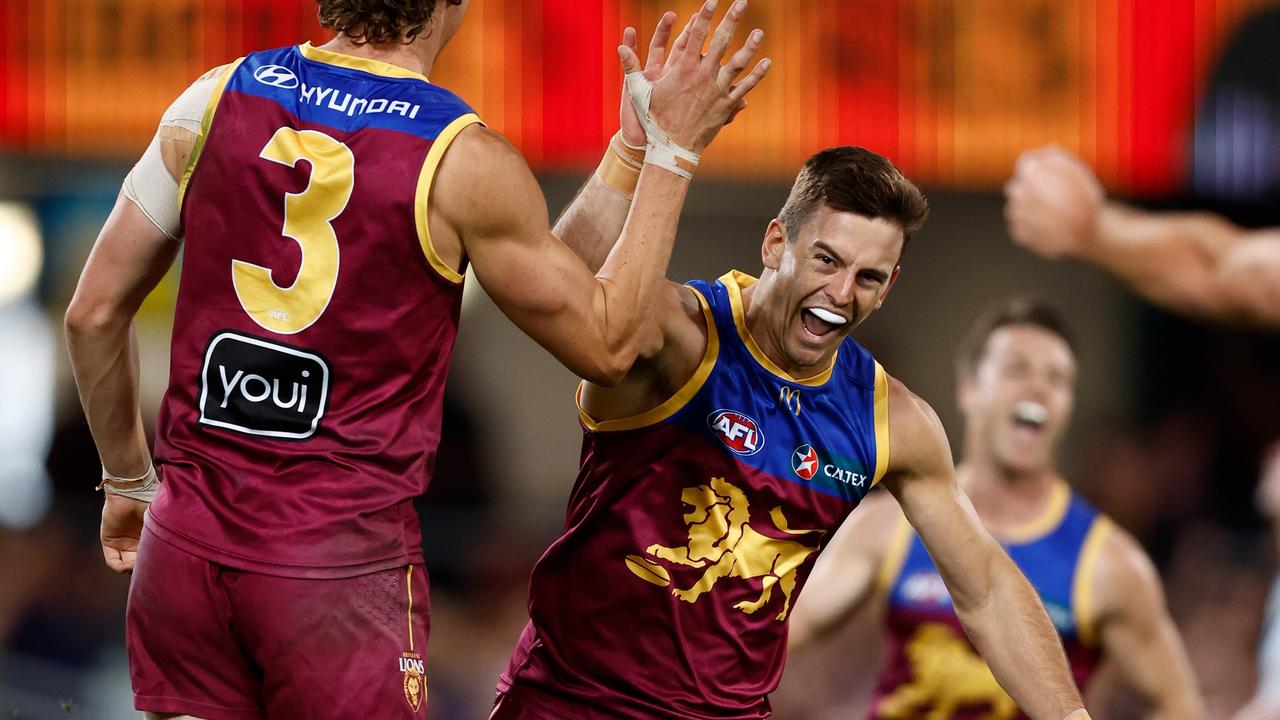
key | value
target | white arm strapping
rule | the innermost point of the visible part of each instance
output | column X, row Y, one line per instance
column 149, row 184
column 662, row 150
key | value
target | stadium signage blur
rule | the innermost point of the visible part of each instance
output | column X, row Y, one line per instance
column 951, row 90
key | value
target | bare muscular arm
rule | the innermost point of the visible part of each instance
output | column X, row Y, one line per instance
column 1137, row 633
column 597, row 325
column 129, row 258
column 1194, row 263
column 999, row 609
column 843, row 581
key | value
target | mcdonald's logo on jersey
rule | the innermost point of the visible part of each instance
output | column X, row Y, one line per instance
column 790, row 398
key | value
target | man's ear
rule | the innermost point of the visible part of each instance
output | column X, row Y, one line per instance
column 893, row 278
column 775, row 242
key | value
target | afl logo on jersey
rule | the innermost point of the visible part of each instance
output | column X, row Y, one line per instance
column 804, row 462
column 738, row 432
column 276, row 76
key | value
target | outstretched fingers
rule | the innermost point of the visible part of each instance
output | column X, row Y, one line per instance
column 740, row 59
column 658, row 44
column 692, row 48
column 750, row 81
column 724, row 33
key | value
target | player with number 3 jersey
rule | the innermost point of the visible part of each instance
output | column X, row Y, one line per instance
column 328, row 200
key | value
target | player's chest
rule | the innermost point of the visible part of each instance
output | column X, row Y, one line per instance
column 817, row 438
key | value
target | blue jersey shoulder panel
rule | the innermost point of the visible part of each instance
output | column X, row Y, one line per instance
column 346, row 98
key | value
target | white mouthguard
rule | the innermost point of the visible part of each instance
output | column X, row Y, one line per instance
column 827, row 316
column 1032, row 412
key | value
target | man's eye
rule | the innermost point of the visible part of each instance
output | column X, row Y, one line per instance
column 825, row 259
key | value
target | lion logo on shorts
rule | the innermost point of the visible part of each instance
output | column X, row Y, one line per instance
column 415, row 685
column 722, row 540
column 946, row 675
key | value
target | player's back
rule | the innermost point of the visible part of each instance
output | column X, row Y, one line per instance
column 932, row 670
column 314, row 321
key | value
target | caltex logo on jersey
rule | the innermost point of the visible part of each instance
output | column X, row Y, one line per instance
column 738, row 432
column 804, row 462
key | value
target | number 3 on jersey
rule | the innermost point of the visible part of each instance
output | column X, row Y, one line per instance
column 307, row 221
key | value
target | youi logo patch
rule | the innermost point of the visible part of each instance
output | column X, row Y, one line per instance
column 262, row 388
column 740, row 433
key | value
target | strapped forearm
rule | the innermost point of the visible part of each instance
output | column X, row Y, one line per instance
column 1014, row 635
column 591, row 224
column 635, row 266
column 1170, row 259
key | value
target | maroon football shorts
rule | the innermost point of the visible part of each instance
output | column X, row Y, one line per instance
column 215, row 642
column 511, row 707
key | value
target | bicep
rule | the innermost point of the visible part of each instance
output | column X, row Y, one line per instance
column 947, row 524
column 530, row 274
column 533, row 277
column 129, row 258
column 844, row 576
column 1137, row 633
column 922, row 478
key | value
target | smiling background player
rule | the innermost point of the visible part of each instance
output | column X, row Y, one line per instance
column 1016, row 372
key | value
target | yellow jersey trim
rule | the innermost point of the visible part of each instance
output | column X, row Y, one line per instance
column 1082, row 584
column 375, row 67
column 423, row 194
column 1047, row 522
column 734, row 281
column 205, row 123
column 673, row 404
column 881, row 415
column 894, row 556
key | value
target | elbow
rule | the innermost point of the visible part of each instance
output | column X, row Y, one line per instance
column 85, row 319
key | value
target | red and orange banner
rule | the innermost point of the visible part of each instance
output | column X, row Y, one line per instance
column 951, row 90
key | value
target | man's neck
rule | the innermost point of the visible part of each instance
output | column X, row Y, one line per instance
column 417, row 56
column 764, row 330
column 1006, row 501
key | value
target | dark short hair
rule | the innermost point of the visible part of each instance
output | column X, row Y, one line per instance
column 856, row 180
column 378, row 21
column 1013, row 311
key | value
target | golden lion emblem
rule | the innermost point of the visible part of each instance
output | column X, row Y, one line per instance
column 722, row 540
column 945, row 675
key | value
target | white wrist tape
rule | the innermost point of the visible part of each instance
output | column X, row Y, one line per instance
column 662, row 150
column 140, row 488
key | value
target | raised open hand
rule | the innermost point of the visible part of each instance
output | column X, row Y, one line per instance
column 686, row 94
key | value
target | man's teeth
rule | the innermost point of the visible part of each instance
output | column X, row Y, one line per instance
column 1031, row 412
column 827, row 316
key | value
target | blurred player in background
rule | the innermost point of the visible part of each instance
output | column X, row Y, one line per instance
column 1265, row 704
column 325, row 232
column 1196, row 263
column 712, row 475
column 1016, row 379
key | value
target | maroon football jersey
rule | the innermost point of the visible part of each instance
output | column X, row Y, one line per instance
column 314, row 322
column 691, row 530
